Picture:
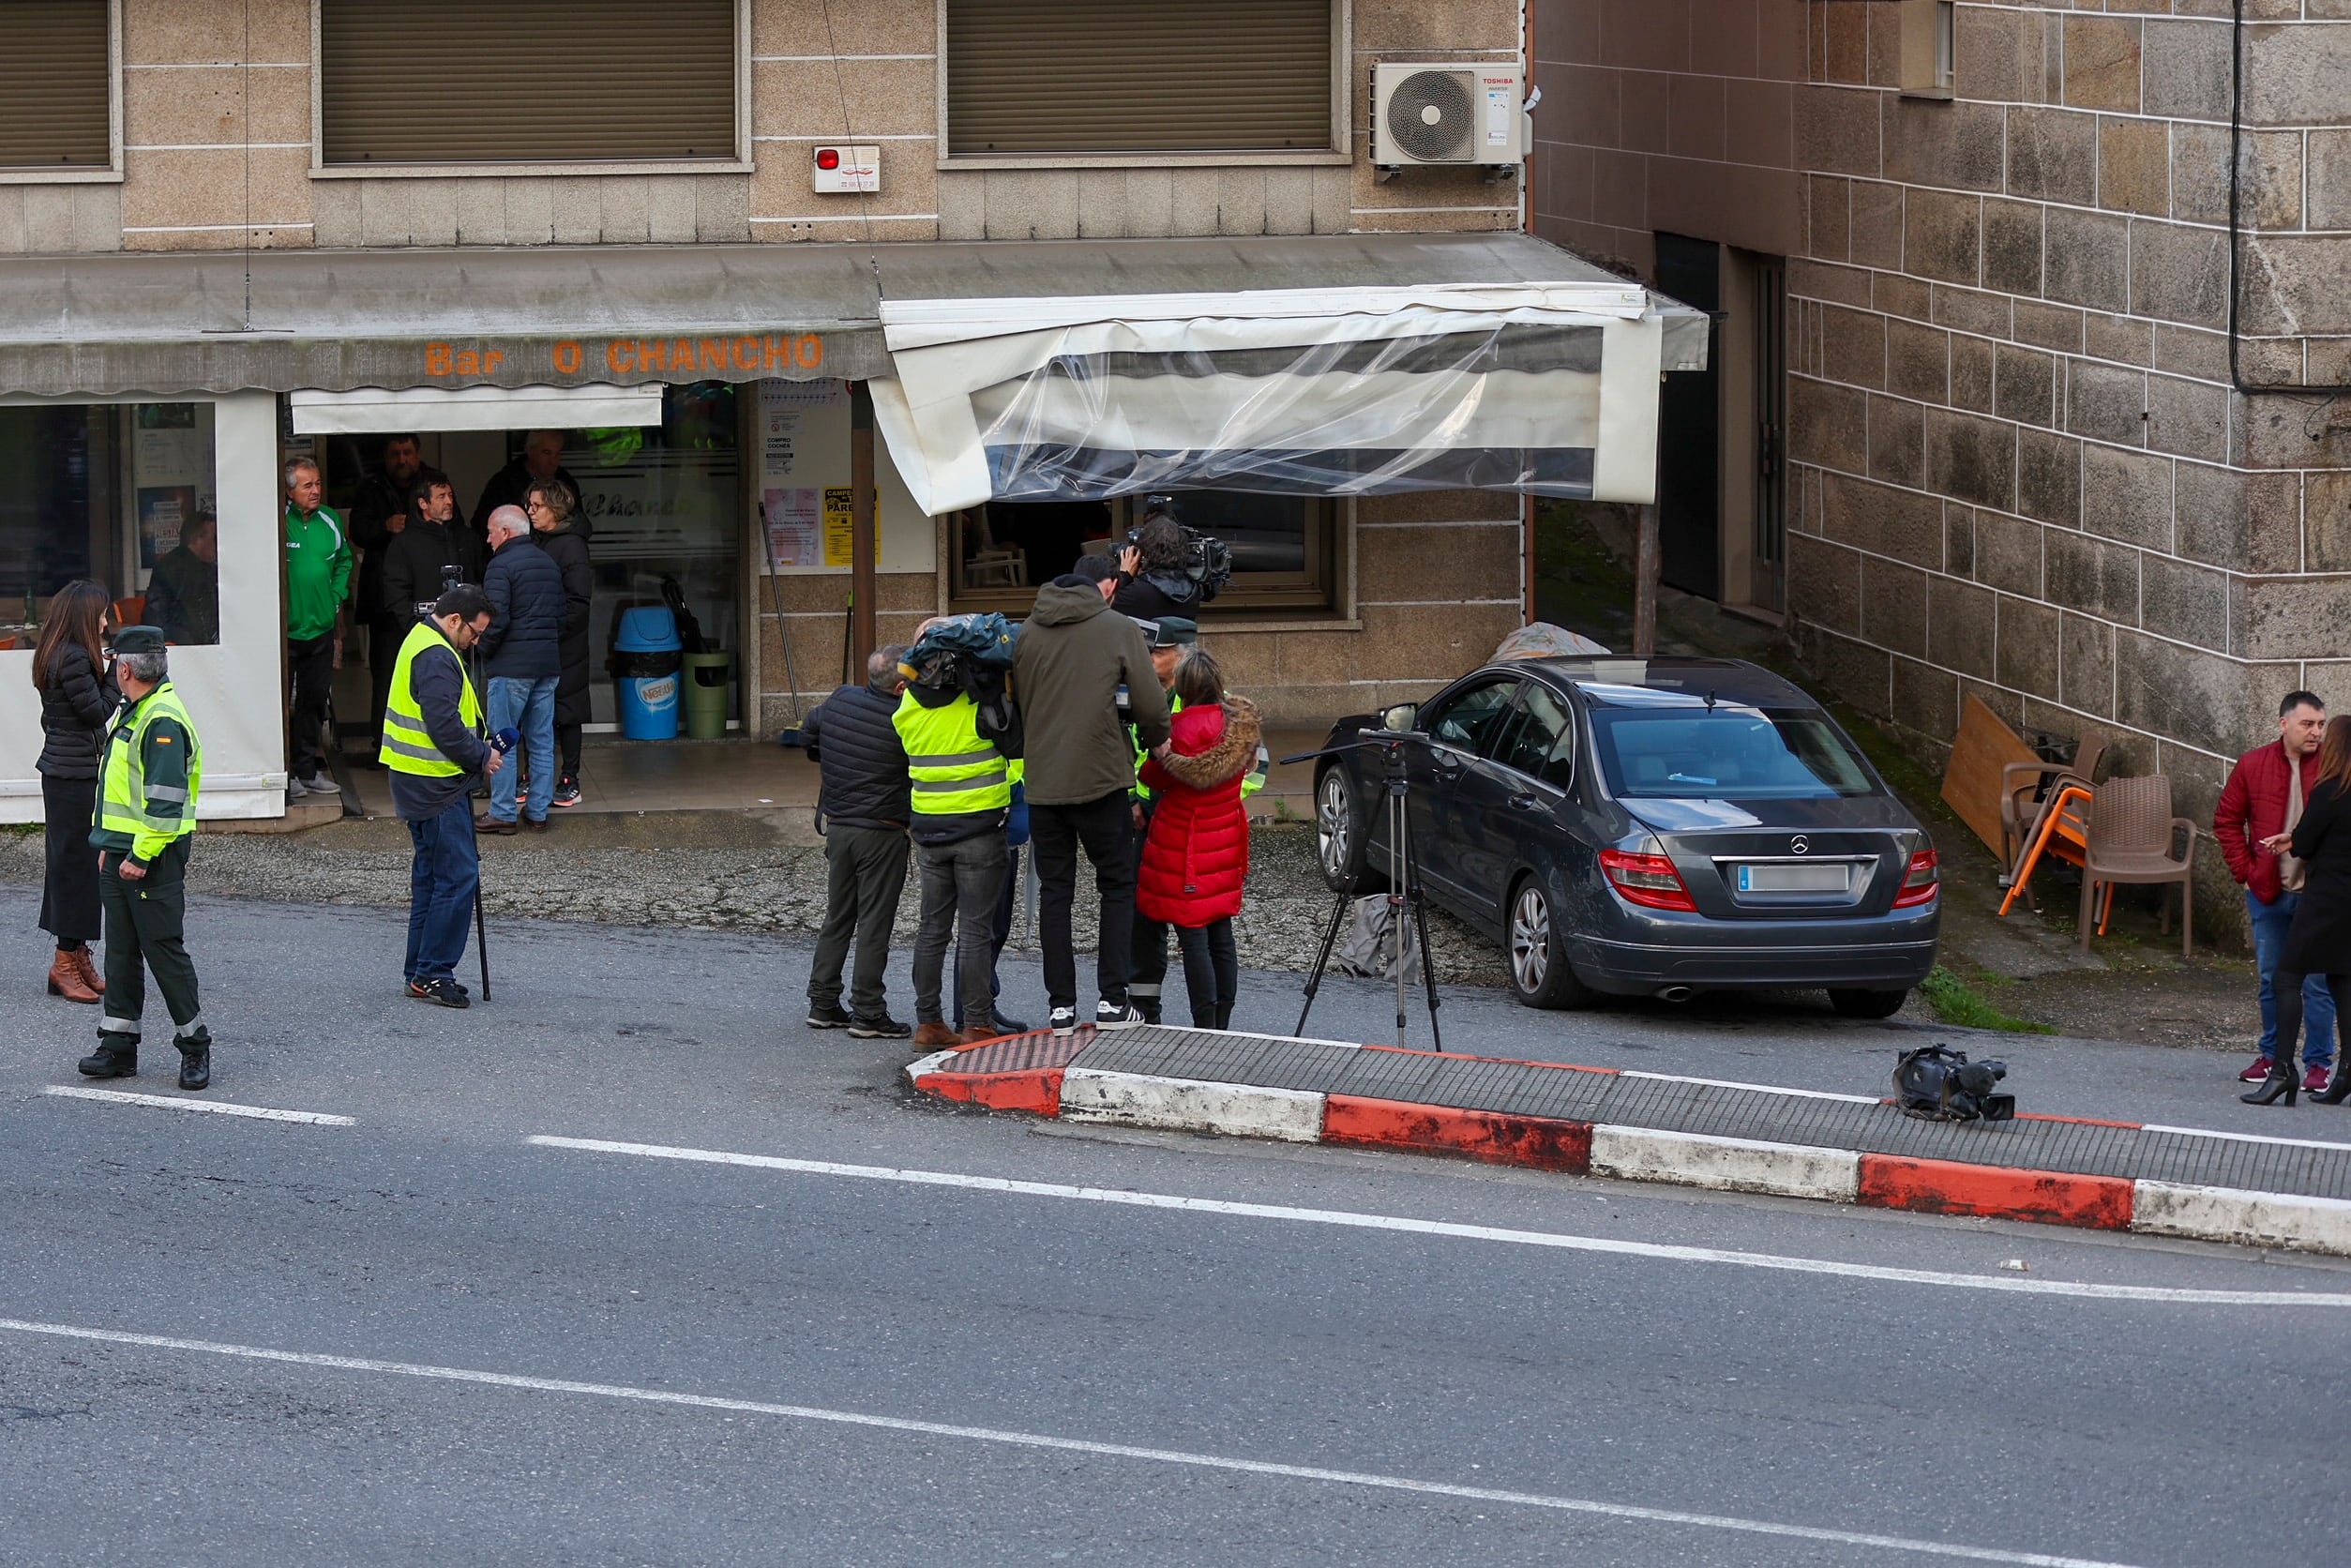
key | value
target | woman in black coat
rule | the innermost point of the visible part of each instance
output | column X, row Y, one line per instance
column 2319, row 940
column 78, row 700
column 559, row 529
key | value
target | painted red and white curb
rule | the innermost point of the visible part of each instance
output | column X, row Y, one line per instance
column 1080, row 1094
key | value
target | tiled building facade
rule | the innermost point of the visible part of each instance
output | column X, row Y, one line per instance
column 2017, row 465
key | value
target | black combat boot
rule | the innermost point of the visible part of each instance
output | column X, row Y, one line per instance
column 195, row 1059
column 117, row 1056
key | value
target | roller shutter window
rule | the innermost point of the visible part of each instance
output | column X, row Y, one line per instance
column 437, row 82
column 55, row 69
column 1123, row 76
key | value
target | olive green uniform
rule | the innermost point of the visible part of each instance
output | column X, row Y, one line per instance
column 146, row 809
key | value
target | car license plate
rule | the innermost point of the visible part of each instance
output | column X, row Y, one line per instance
column 1792, row 878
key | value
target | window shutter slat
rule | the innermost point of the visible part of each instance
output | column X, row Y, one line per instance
column 1116, row 76
column 54, row 111
column 526, row 81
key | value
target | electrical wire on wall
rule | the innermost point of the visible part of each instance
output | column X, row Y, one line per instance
column 848, row 134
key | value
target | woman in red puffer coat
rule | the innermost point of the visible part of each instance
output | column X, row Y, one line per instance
column 1197, row 857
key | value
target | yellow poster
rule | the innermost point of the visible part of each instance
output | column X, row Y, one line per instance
column 838, row 510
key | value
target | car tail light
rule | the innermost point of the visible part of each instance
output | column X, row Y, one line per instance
column 1647, row 879
column 1921, row 882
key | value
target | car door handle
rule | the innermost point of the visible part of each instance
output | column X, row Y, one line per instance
column 1524, row 803
column 1448, row 762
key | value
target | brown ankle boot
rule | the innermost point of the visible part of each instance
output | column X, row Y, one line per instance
column 64, row 979
column 88, row 967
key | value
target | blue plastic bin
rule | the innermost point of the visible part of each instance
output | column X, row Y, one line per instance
column 648, row 703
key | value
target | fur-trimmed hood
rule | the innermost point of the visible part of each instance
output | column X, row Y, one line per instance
column 1232, row 754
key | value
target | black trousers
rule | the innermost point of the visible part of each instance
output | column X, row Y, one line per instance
column 312, row 662
column 1147, row 944
column 144, row 933
column 1105, row 829
column 864, row 876
column 2287, row 988
column 567, row 742
column 385, row 634
column 1212, row 972
column 70, row 908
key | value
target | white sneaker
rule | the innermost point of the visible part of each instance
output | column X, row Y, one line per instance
column 1064, row 1020
column 1115, row 1015
column 295, row 789
column 319, row 784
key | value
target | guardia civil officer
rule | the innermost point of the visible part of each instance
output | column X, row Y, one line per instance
column 146, row 809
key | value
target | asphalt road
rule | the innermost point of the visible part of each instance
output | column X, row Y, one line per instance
column 422, row 1336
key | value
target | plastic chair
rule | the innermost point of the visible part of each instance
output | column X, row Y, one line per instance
column 2062, row 830
column 131, row 611
column 2131, row 837
column 2026, row 788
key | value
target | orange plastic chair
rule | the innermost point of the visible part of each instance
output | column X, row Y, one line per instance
column 2062, row 830
column 131, row 611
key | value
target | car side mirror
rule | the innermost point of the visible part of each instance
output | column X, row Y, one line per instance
column 1399, row 718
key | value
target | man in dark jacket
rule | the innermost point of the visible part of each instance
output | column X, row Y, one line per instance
column 1074, row 655
column 561, row 531
column 863, row 800
column 522, row 657
column 379, row 514
column 414, row 561
column 435, row 752
column 542, row 458
column 183, row 590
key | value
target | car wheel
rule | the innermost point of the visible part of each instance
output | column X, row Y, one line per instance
column 1867, row 1004
column 1338, row 834
column 1536, row 949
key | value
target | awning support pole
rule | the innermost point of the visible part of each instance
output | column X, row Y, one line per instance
column 861, row 540
column 1647, row 559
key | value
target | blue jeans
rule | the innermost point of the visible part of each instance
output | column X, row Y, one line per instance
column 441, row 886
column 528, row 706
column 2270, row 923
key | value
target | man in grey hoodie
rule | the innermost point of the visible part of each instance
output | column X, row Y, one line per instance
column 1074, row 656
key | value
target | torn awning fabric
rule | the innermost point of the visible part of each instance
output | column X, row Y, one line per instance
column 1543, row 388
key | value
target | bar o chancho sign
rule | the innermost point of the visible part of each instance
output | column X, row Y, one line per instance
column 515, row 362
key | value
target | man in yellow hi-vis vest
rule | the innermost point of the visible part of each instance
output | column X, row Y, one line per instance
column 147, row 808
column 961, row 775
column 433, row 745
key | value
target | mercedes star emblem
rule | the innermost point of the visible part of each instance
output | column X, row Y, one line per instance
column 1799, row 845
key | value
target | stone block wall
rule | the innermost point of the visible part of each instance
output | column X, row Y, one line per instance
column 216, row 134
column 2018, row 466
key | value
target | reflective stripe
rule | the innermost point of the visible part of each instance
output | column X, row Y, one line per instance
column 118, row 1026
column 166, row 792
column 952, row 786
column 954, row 760
column 423, row 753
column 190, row 1027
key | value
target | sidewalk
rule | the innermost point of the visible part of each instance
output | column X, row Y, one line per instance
column 2112, row 1175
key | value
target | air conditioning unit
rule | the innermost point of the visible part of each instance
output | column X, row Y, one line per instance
column 1470, row 113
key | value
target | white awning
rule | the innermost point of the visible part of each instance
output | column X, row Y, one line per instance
column 373, row 411
column 1542, row 387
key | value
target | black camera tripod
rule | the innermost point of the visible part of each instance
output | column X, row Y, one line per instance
column 1404, row 877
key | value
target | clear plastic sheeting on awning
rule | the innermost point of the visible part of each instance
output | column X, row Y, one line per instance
column 1543, row 388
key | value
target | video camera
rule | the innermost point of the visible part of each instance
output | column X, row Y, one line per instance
column 1936, row 1083
column 1207, row 561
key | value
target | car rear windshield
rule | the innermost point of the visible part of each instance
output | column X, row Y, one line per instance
column 1726, row 751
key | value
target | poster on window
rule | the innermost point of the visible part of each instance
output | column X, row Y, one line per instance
column 839, row 526
column 795, row 525
column 783, row 408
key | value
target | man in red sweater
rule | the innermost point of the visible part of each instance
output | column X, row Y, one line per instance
column 2258, row 801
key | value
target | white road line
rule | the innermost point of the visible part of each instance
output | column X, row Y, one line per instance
column 1751, row 1088
column 2243, row 1137
column 2009, row 1283
column 1068, row 1445
column 219, row 1108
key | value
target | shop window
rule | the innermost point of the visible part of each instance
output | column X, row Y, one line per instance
column 106, row 491
column 1284, row 548
column 527, row 82
column 1045, row 77
column 56, row 85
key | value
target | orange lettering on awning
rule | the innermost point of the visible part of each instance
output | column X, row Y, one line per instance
column 620, row 356
column 567, row 358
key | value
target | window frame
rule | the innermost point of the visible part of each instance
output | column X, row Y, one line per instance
column 1929, row 53
column 741, row 163
column 1340, row 151
column 1565, row 739
column 1321, row 596
column 23, row 173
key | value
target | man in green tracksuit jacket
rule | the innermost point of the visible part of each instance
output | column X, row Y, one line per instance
column 318, row 580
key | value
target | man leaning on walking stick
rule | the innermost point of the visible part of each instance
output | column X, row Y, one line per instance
column 434, row 746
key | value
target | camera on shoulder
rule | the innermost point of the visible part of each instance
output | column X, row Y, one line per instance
column 1206, row 566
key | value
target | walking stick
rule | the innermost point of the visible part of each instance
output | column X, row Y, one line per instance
column 481, row 925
